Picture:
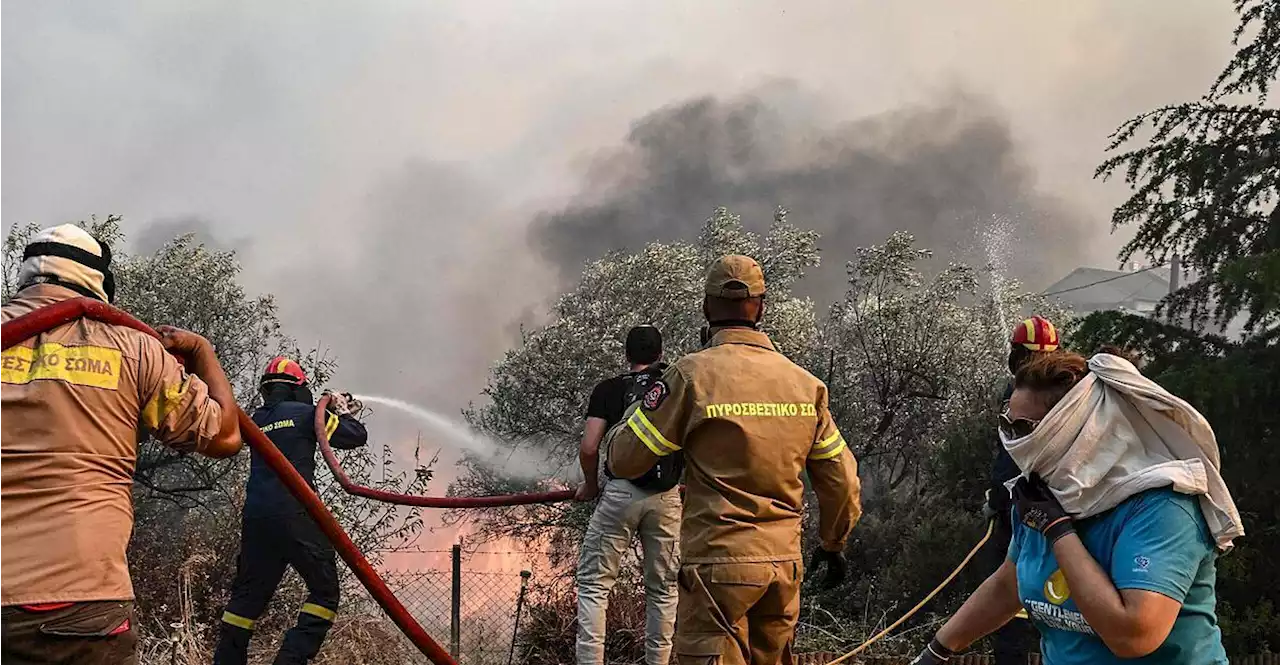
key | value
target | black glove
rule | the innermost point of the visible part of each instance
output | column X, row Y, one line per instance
column 1040, row 510
column 934, row 654
column 837, row 566
column 988, row 511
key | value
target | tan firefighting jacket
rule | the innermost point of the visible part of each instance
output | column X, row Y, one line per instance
column 74, row 402
column 750, row 423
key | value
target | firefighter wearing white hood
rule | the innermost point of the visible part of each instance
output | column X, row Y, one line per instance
column 76, row 401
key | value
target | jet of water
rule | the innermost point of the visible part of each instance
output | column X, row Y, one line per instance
column 502, row 457
column 998, row 237
column 457, row 435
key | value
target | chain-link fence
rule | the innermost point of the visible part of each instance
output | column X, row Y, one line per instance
column 468, row 604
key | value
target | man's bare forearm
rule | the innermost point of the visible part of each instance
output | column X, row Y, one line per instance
column 589, row 451
column 204, row 364
column 590, row 461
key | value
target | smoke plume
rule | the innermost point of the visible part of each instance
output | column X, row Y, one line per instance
column 417, row 179
column 942, row 171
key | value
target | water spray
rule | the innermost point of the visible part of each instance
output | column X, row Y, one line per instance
column 456, row 434
column 500, row 456
column 331, row 459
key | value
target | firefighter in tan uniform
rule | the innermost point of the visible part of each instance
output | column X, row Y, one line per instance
column 750, row 423
column 76, row 402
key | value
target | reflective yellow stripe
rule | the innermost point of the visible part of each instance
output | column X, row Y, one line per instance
column 281, row 365
column 828, row 454
column 827, row 441
column 237, row 621
column 631, row 422
column 318, row 611
column 330, row 425
column 165, row 401
column 653, row 430
column 1031, row 330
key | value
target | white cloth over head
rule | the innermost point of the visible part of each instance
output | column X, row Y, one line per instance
column 1118, row 433
column 64, row 269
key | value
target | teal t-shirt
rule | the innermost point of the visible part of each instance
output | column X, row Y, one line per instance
column 1157, row 541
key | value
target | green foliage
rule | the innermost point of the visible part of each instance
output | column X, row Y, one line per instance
column 1206, row 183
column 905, row 356
column 537, row 393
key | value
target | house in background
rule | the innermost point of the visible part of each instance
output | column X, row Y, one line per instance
column 1088, row 290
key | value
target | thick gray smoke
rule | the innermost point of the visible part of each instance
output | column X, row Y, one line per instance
column 154, row 235
column 417, row 293
column 942, row 171
column 377, row 165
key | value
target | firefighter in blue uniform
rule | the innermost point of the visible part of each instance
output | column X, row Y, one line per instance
column 277, row 531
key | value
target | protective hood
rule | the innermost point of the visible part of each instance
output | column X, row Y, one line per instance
column 68, row 256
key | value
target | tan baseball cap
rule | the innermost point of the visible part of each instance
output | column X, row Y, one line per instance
column 735, row 277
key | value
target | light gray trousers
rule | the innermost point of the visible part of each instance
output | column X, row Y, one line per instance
column 623, row 511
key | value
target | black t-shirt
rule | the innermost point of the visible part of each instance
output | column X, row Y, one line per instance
column 608, row 400
column 611, row 397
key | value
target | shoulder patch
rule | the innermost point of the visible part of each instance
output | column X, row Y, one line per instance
column 655, row 395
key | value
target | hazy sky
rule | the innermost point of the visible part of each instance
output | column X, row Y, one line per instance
column 379, row 164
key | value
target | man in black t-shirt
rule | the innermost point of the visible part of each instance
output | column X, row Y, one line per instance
column 648, row 506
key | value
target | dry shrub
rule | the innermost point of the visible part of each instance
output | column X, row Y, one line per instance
column 548, row 632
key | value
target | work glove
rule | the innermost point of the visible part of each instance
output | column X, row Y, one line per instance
column 988, row 513
column 837, row 566
column 934, row 654
column 1040, row 510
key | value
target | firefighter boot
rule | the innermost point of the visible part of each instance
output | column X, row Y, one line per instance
column 233, row 645
column 303, row 641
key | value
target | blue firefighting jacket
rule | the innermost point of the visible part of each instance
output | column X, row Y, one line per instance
column 291, row 426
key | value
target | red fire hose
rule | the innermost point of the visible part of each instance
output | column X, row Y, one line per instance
column 422, row 501
column 52, row 316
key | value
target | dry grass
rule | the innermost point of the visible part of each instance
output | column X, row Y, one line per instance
column 356, row 637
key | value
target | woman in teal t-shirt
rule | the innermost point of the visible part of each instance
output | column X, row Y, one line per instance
column 1134, row 582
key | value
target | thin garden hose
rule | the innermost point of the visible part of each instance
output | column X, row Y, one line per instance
column 936, row 590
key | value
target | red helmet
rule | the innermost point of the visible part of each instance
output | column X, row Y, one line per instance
column 1035, row 334
column 283, row 370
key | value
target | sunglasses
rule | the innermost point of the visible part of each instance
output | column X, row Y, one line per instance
column 1016, row 428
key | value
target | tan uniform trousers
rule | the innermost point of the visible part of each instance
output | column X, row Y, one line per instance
column 738, row 613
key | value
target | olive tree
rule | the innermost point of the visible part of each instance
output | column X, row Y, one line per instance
column 537, row 393
column 905, row 355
